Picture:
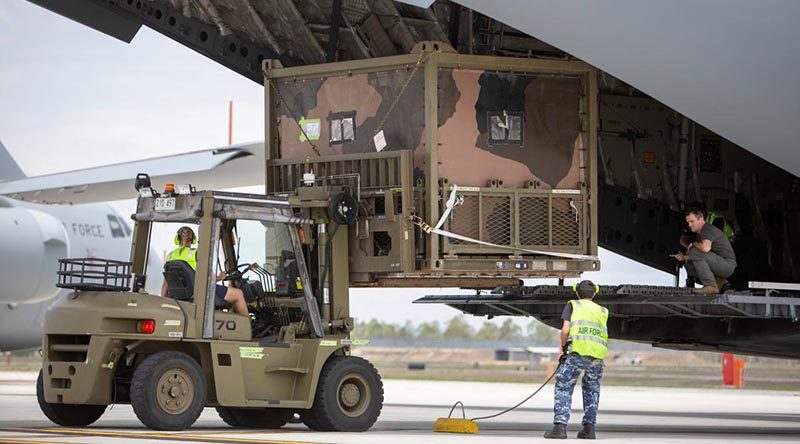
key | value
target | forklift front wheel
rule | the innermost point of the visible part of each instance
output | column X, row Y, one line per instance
column 168, row 391
column 349, row 396
column 67, row 415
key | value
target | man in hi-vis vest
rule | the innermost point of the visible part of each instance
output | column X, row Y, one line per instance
column 184, row 239
column 584, row 340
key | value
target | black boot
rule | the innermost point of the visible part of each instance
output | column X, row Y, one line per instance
column 559, row 432
column 587, row 432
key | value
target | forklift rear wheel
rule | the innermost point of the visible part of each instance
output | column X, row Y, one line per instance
column 168, row 391
column 68, row 415
column 255, row 418
column 349, row 396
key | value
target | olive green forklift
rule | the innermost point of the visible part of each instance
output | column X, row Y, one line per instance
column 109, row 342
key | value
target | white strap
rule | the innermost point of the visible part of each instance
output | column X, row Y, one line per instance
column 451, row 202
column 431, row 230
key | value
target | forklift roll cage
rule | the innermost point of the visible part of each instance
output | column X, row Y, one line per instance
column 215, row 213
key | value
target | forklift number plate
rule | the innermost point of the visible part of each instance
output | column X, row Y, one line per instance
column 165, row 204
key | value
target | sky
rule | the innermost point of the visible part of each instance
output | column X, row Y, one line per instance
column 72, row 98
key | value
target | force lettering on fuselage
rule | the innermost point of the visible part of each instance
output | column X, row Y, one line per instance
column 589, row 331
column 87, row 230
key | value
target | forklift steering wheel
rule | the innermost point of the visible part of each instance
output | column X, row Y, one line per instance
column 237, row 273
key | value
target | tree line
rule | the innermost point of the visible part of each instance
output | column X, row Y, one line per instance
column 455, row 328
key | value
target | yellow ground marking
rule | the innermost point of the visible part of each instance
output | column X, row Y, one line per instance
column 147, row 435
column 249, row 431
column 28, row 441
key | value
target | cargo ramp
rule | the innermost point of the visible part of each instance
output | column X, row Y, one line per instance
column 759, row 321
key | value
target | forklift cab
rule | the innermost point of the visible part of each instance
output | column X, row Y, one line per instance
column 228, row 225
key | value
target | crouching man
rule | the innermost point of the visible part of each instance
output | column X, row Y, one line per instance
column 710, row 258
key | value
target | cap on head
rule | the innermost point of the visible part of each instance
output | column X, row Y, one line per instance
column 586, row 289
column 187, row 230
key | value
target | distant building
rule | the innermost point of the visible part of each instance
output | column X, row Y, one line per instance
column 511, row 354
column 534, row 355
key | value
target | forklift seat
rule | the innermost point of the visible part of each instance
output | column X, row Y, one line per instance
column 180, row 282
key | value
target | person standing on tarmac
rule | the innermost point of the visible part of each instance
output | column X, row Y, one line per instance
column 584, row 343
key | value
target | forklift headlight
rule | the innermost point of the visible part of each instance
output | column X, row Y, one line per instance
column 183, row 189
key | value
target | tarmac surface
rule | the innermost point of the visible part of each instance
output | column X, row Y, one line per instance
column 640, row 415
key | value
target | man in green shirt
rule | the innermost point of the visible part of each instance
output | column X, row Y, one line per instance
column 710, row 258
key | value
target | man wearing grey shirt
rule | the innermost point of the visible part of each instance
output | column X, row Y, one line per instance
column 710, row 258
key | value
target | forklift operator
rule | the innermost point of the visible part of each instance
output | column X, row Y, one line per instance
column 185, row 238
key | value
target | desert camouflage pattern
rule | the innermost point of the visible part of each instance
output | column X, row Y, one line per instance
column 548, row 154
column 366, row 96
column 550, row 149
column 566, row 378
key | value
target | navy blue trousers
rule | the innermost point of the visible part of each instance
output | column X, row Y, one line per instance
column 566, row 378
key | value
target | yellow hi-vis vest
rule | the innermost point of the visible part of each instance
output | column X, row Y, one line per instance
column 587, row 329
column 726, row 228
column 186, row 254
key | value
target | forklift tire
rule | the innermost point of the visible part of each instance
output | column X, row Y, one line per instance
column 309, row 420
column 168, row 391
column 255, row 418
column 349, row 396
column 67, row 415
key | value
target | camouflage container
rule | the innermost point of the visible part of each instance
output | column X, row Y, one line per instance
column 517, row 138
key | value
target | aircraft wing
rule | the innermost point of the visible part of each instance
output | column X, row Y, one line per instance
column 227, row 167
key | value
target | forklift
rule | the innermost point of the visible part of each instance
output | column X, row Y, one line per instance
column 109, row 342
